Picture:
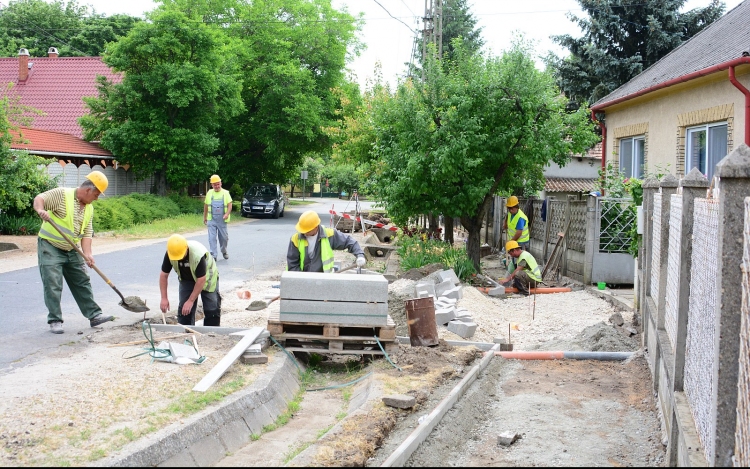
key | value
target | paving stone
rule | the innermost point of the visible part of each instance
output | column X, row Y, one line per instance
column 463, row 329
column 442, row 287
column 499, row 340
column 400, row 401
column 454, row 293
column 428, row 287
column 444, row 316
column 254, row 349
column 334, row 312
column 329, row 287
column 507, row 438
column 449, row 275
column 497, row 291
column 445, row 299
column 253, row 359
column 466, row 319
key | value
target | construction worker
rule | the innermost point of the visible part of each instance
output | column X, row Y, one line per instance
column 517, row 224
column 71, row 210
column 216, row 210
column 311, row 248
column 198, row 275
column 523, row 270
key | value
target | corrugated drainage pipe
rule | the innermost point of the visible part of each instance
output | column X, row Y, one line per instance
column 558, row 355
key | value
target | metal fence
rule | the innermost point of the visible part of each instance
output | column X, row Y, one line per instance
column 616, row 222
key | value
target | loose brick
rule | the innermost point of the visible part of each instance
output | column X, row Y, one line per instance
column 400, row 401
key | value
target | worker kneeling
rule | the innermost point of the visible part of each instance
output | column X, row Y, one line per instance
column 523, row 270
column 311, row 248
column 198, row 275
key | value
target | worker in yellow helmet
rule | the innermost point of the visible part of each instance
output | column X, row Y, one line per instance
column 311, row 247
column 198, row 276
column 517, row 224
column 71, row 210
column 523, row 270
column 216, row 210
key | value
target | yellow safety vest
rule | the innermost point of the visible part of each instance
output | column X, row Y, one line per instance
column 326, row 253
column 197, row 252
column 48, row 232
column 210, row 197
column 513, row 221
column 531, row 266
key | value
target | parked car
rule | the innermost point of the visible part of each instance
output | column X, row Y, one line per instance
column 263, row 200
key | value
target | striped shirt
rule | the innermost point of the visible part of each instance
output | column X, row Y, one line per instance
column 54, row 201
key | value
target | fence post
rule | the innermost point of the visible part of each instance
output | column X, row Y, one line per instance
column 592, row 239
column 650, row 186
column 566, row 223
column 547, row 224
column 668, row 188
column 734, row 185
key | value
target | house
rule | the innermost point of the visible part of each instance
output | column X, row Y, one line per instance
column 688, row 110
column 577, row 178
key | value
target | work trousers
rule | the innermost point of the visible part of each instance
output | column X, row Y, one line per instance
column 211, row 305
column 56, row 265
column 217, row 229
column 523, row 281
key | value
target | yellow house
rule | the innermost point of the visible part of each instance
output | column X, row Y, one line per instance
column 688, row 109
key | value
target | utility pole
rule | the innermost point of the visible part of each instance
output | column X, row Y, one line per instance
column 432, row 31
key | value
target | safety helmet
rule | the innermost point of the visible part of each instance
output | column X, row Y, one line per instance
column 176, row 247
column 308, row 221
column 99, row 179
column 512, row 201
column 511, row 245
column 215, row 178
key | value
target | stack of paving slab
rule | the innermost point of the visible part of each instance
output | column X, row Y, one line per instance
column 446, row 290
column 346, row 300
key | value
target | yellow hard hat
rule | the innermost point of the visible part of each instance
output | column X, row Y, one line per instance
column 511, row 245
column 99, row 179
column 215, row 178
column 308, row 221
column 512, row 201
column 176, row 247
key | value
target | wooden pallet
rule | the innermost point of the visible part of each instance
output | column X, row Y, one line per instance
column 338, row 346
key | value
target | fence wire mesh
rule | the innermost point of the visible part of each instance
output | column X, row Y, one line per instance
column 699, row 347
column 577, row 228
column 674, row 254
column 656, row 246
column 617, row 219
column 742, row 435
column 537, row 225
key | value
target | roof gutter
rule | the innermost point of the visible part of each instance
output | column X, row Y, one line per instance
column 746, row 92
column 63, row 155
column 604, row 140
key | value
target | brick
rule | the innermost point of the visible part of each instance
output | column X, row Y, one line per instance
column 333, row 287
column 444, row 316
column 400, row 401
column 449, row 275
column 463, row 329
column 334, row 312
column 252, row 359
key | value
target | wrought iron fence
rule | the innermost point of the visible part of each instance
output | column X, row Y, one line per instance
column 617, row 219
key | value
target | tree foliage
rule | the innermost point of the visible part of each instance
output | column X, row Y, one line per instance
column 180, row 83
column 477, row 126
column 621, row 38
column 75, row 30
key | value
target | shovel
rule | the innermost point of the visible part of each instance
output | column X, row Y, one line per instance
column 131, row 303
column 259, row 304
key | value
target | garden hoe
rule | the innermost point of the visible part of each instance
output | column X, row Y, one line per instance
column 131, row 303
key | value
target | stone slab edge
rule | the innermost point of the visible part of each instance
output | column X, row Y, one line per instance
column 181, row 439
column 614, row 300
column 399, row 457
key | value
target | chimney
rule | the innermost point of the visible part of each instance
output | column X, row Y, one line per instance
column 52, row 52
column 23, row 65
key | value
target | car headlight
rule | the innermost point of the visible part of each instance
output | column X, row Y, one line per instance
column 245, row 201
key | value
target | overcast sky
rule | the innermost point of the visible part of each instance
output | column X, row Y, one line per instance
column 389, row 41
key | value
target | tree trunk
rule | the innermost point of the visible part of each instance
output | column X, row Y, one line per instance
column 473, row 226
column 160, row 183
column 434, row 226
column 448, row 236
column 292, row 191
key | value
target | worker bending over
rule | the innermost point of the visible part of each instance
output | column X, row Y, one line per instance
column 311, row 248
column 198, row 275
column 517, row 224
column 522, row 269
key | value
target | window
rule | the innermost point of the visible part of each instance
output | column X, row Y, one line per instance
column 705, row 146
column 631, row 156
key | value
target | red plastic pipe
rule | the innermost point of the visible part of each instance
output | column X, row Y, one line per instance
column 540, row 290
column 746, row 92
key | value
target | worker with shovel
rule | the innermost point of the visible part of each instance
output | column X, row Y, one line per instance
column 71, row 210
column 523, row 271
column 311, row 247
column 198, row 275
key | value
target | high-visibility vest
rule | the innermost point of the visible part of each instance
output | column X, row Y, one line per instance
column 197, row 252
column 513, row 221
column 48, row 232
column 210, row 198
column 326, row 253
column 531, row 266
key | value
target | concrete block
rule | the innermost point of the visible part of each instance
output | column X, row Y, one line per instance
column 497, row 291
column 182, row 459
column 333, row 287
column 466, row 319
column 254, row 349
column 447, row 300
column 455, row 293
column 234, row 435
column 253, row 359
column 207, row 451
column 424, row 294
column 334, row 312
column 499, row 340
column 400, row 401
column 442, row 287
column 464, row 329
column 507, row 438
column 449, row 275
column 427, row 287
column 444, row 316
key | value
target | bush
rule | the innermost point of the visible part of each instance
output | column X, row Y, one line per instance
column 22, row 177
column 416, row 252
column 113, row 213
column 19, row 225
column 186, row 203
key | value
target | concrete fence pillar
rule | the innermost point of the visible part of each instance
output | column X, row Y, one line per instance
column 668, row 188
column 734, row 185
column 650, row 186
column 592, row 240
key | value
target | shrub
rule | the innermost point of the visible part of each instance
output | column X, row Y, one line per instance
column 112, row 213
column 416, row 252
column 19, row 225
column 186, row 203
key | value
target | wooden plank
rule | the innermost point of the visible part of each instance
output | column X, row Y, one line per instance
column 344, row 338
column 330, row 330
column 202, row 329
column 220, row 368
column 338, row 352
column 335, row 345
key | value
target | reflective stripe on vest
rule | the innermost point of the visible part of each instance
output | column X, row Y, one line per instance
column 326, row 253
column 48, row 232
column 532, row 266
column 513, row 221
column 196, row 252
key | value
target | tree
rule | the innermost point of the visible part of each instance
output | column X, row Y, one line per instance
column 180, row 84
column 73, row 29
column 621, row 38
column 314, row 166
column 476, row 127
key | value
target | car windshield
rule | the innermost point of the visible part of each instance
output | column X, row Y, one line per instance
column 262, row 191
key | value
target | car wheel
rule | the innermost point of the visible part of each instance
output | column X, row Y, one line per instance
column 276, row 212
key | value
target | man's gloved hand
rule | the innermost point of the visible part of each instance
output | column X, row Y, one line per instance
column 361, row 261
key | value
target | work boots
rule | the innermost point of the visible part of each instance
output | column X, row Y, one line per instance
column 56, row 327
column 100, row 319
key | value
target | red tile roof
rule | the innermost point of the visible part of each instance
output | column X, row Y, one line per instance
column 569, row 185
column 56, row 86
column 56, row 142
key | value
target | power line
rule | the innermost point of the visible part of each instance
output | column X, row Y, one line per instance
column 397, row 19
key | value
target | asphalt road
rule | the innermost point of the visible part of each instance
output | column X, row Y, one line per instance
column 256, row 247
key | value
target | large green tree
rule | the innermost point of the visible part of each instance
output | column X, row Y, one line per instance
column 476, row 127
column 180, row 85
column 621, row 38
column 75, row 30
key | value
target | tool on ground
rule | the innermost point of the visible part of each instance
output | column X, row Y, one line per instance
column 131, row 303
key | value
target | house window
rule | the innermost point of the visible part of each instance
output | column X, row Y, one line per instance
column 705, row 146
column 631, row 156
